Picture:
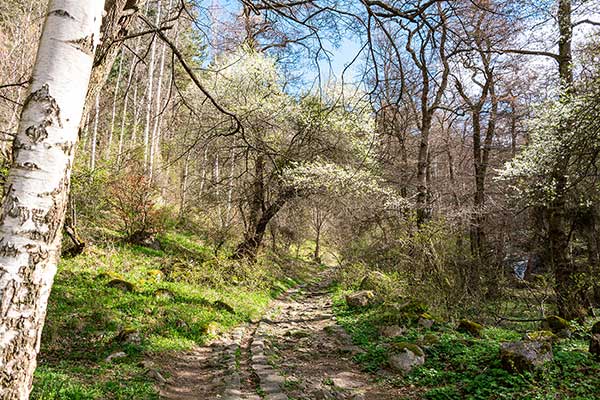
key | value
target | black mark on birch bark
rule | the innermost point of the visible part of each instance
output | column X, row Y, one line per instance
column 29, row 166
column 84, row 44
column 49, row 106
column 8, row 249
column 8, row 293
column 61, row 13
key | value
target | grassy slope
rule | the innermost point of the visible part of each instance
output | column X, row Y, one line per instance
column 462, row 367
column 85, row 315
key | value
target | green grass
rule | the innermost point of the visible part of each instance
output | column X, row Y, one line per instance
column 462, row 367
column 85, row 316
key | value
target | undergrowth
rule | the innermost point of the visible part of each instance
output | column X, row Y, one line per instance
column 459, row 366
column 176, row 301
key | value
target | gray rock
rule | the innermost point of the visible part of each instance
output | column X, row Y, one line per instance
column 129, row 336
column 525, row 355
column 115, row 356
column 407, row 359
column 426, row 323
column 392, row 331
column 362, row 298
column 375, row 281
column 346, row 381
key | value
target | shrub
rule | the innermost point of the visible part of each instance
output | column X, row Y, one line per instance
column 132, row 198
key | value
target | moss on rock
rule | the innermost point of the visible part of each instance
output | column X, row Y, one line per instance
column 542, row 336
column 556, row 324
column 402, row 346
column 470, row 327
column 121, row 284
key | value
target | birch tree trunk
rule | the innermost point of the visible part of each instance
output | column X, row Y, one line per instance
column 124, row 112
column 149, row 94
column 36, row 193
column 94, row 143
column 159, row 106
column 114, row 108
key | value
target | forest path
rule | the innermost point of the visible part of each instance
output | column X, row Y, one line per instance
column 297, row 351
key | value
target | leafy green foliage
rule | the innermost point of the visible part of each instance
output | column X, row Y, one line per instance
column 459, row 366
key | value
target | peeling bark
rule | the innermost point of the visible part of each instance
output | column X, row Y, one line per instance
column 36, row 193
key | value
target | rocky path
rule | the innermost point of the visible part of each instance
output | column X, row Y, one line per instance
column 297, row 351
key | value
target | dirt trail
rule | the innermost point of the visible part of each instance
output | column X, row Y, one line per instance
column 297, row 351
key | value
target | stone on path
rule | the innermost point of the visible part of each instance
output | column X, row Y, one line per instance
column 347, row 381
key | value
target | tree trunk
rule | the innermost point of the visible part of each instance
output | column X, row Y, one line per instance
column 114, row 108
column 423, row 212
column 558, row 221
column 94, row 143
column 149, row 91
column 230, row 191
column 118, row 15
column 249, row 247
column 155, row 140
column 33, row 208
column 124, row 112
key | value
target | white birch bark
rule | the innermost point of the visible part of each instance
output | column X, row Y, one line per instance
column 86, row 132
column 136, row 108
column 124, row 112
column 203, row 179
column 184, row 185
column 136, row 115
column 159, row 105
column 36, row 191
column 95, row 132
column 149, row 90
column 114, row 108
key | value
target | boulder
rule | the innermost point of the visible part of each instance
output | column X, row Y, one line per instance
column 377, row 282
column 525, row 355
column 405, row 357
column 362, row 298
column 115, row 356
column 595, row 345
column 425, row 322
column 121, row 284
column 347, row 381
column 392, row 331
column 129, row 336
column 470, row 327
column 541, row 336
column 557, row 325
